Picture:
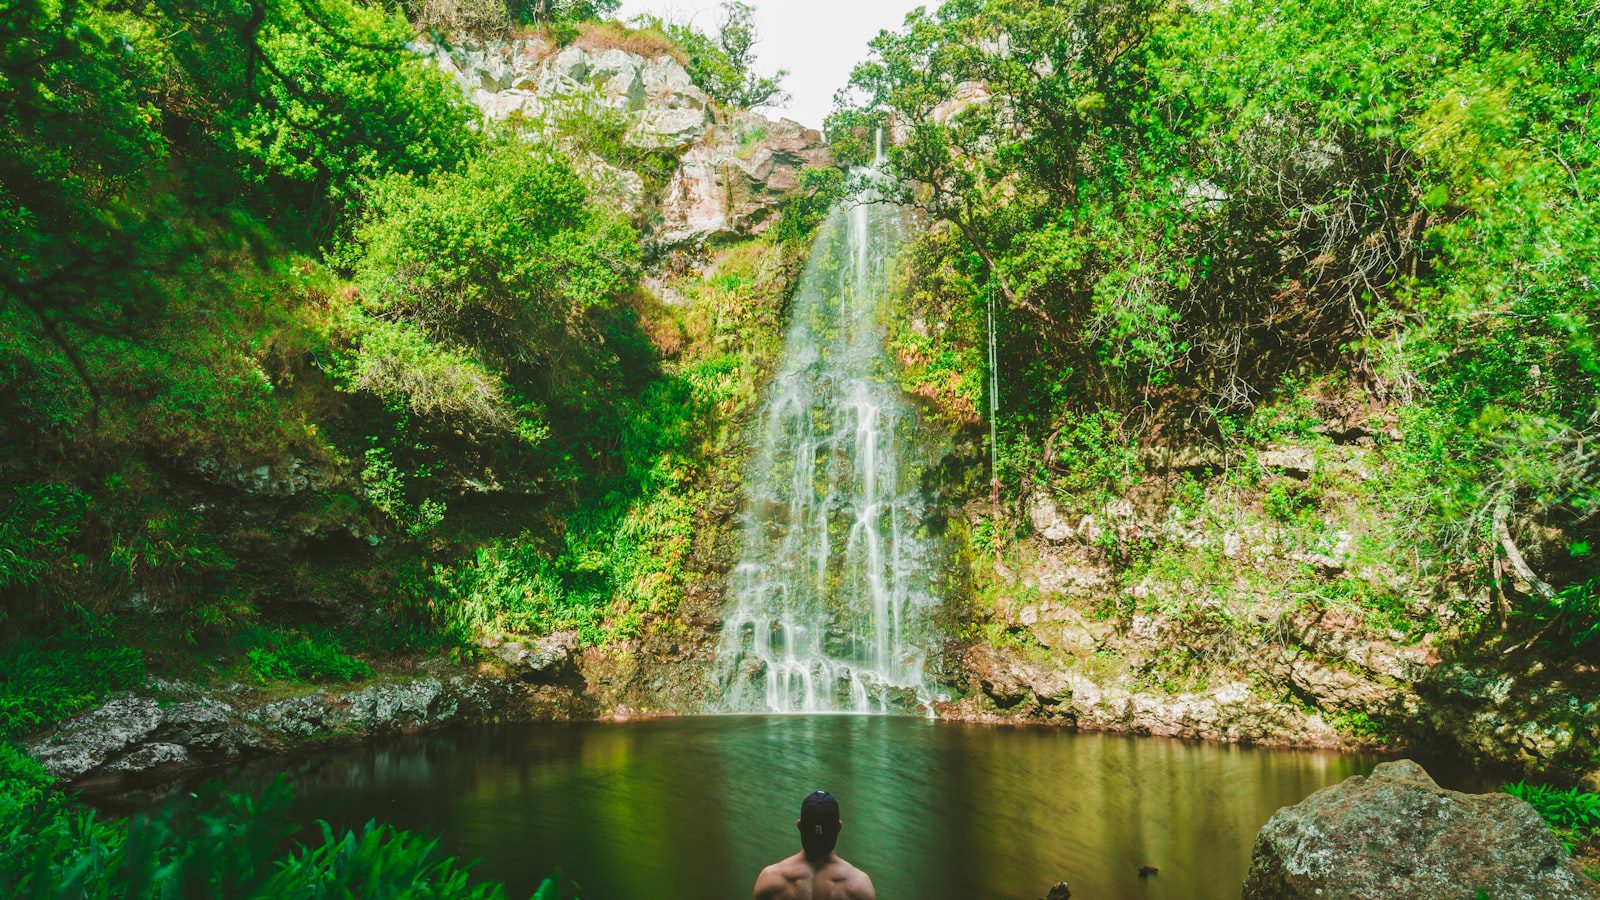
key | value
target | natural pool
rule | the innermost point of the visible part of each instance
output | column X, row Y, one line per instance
column 694, row 807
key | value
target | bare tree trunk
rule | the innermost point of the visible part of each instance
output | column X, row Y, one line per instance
column 1502, row 534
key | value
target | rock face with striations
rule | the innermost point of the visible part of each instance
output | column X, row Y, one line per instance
column 733, row 166
column 1398, row 835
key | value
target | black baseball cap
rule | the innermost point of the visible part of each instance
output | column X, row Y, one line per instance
column 819, row 814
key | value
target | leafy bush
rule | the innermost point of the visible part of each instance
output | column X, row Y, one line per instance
column 1574, row 815
column 353, row 103
column 216, row 844
column 45, row 680
column 1089, row 459
column 35, row 529
column 310, row 655
column 476, row 292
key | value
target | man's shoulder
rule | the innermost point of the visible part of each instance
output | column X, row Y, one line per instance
column 774, row 881
column 857, row 884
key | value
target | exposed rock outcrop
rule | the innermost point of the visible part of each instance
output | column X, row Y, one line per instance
column 404, row 706
column 1260, row 610
column 1396, row 834
column 1532, row 719
column 731, row 182
column 135, row 734
column 1013, row 688
column 734, row 167
column 140, row 734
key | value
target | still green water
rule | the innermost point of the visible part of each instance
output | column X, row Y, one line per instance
column 693, row 808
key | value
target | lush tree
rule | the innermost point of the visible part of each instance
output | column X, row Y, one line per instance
column 1178, row 207
column 482, row 298
column 723, row 62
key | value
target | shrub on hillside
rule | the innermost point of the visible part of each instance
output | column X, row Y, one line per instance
column 310, row 655
column 45, row 680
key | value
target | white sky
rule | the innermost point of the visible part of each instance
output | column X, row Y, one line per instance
column 818, row 41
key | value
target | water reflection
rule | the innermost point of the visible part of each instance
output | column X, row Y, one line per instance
column 692, row 808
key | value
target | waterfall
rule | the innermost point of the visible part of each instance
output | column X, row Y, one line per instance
column 831, row 601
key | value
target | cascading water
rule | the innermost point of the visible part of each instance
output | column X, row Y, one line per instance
column 831, row 600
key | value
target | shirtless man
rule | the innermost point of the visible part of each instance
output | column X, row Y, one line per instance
column 816, row 872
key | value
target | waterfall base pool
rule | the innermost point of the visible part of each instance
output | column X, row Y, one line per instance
column 693, row 808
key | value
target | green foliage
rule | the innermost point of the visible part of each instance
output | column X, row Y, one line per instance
column 1288, row 502
column 1358, row 723
column 820, row 190
column 561, row 11
column 1573, row 814
column 722, row 63
column 45, row 680
column 1089, row 457
column 623, row 554
column 349, row 103
column 23, row 781
column 479, row 292
column 36, row 528
column 1189, row 214
column 214, row 844
column 276, row 655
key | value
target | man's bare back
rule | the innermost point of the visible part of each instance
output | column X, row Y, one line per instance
column 798, row 878
column 816, row 872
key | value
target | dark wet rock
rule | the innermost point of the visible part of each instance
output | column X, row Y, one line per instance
column 129, row 735
column 207, row 727
column 1396, row 834
column 87, row 741
column 551, row 659
column 1531, row 718
column 136, row 735
column 148, row 757
column 402, row 706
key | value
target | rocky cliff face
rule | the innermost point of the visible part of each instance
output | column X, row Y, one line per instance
column 731, row 167
column 1253, row 597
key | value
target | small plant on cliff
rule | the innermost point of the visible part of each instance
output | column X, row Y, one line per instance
column 1572, row 814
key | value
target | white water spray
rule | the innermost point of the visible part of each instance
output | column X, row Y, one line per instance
column 830, row 602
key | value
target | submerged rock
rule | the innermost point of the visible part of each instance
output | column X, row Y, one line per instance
column 1396, row 834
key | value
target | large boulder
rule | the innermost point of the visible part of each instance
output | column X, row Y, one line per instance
column 129, row 735
column 1397, row 835
column 549, row 661
column 89, row 740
